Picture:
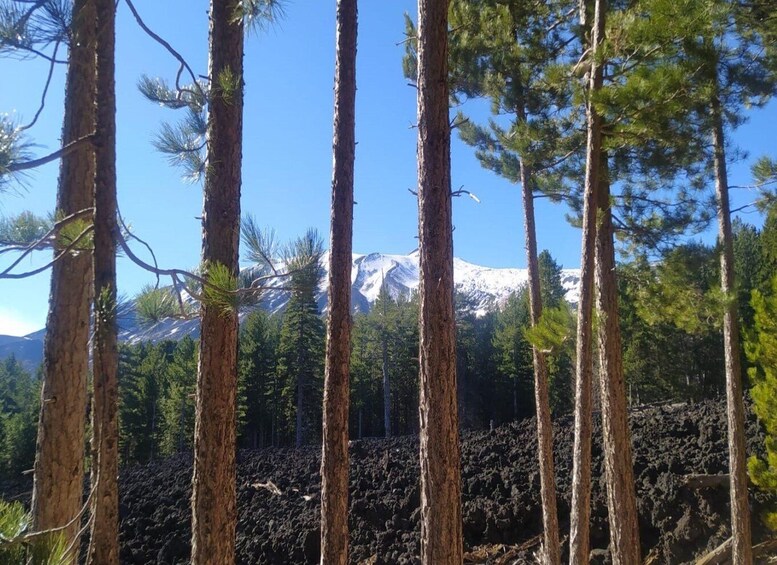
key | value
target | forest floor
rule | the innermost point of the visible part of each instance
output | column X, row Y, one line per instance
column 278, row 495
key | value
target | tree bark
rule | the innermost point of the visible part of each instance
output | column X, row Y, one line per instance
column 552, row 547
column 59, row 463
column 621, row 497
column 334, row 458
column 740, row 511
column 386, row 377
column 441, row 528
column 213, row 498
column 579, row 536
column 104, row 542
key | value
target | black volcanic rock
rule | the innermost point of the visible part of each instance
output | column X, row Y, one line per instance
column 500, row 494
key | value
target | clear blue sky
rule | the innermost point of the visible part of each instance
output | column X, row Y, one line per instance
column 287, row 153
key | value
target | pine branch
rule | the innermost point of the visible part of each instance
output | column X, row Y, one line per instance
column 63, row 151
column 169, row 49
column 6, row 274
column 52, row 63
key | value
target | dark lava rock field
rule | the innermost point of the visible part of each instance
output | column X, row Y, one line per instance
column 500, row 495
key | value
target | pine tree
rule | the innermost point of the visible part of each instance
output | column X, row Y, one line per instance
column 257, row 362
column 104, row 539
column 300, row 351
column 441, row 540
column 58, row 481
column 214, row 497
column 334, row 456
column 761, row 348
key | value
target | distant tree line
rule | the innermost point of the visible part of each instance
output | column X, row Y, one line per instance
column 672, row 351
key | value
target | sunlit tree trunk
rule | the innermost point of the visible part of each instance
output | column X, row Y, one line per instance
column 213, row 499
column 58, row 485
column 621, row 498
column 579, row 535
column 441, row 529
column 334, row 458
column 552, row 549
column 104, row 542
column 740, row 510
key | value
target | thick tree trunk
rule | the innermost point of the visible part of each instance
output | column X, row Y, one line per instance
column 579, row 535
column 334, row 457
column 740, row 511
column 552, row 548
column 441, row 540
column 213, row 498
column 621, row 498
column 104, row 543
column 299, row 430
column 59, row 463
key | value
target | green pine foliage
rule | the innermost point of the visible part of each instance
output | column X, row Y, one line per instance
column 19, row 405
column 761, row 349
column 17, row 545
column 258, row 385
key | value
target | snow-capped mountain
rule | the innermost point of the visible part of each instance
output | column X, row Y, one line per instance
column 486, row 289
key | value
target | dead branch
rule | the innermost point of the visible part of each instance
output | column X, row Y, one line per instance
column 169, row 48
column 63, row 151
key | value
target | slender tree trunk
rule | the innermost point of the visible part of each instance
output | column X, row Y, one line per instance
column 299, row 439
column 213, row 498
column 621, row 498
column 579, row 534
column 386, row 381
column 104, row 542
column 334, row 458
column 59, row 462
column 552, row 547
column 441, row 541
column 740, row 511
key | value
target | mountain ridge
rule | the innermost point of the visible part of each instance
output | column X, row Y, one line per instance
column 485, row 287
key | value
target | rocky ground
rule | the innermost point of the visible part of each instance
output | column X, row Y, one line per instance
column 278, row 496
column 500, row 491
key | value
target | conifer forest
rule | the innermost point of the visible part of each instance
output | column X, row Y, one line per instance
column 298, row 402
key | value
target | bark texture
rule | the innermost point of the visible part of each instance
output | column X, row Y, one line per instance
column 334, row 457
column 579, row 534
column 213, row 497
column 59, row 462
column 441, row 528
column 621, row 497
column 552, row 548
column 742, row 551
column 104, row 542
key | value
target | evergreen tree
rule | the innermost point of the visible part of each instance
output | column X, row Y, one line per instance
column 104, row 539
column 177, row 405
column 441, row 540
column 256, row 374
column 334, row 456
column 761, row 346
column 300, row 350
column 19, row 405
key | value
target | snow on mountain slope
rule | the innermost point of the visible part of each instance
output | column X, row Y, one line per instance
column 485, row 289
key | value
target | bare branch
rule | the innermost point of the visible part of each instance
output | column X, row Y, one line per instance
column 167, row 46
column 61, row 152
column 45, row 89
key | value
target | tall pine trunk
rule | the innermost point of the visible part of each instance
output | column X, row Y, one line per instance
column 579, row 535
column 621, row 498
column 59, row 462
column 386, row 377
column 740, row 511
column 334, row 458
column 213, row 499
column 552, row 549
column 441, row 529
column 104, row 543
